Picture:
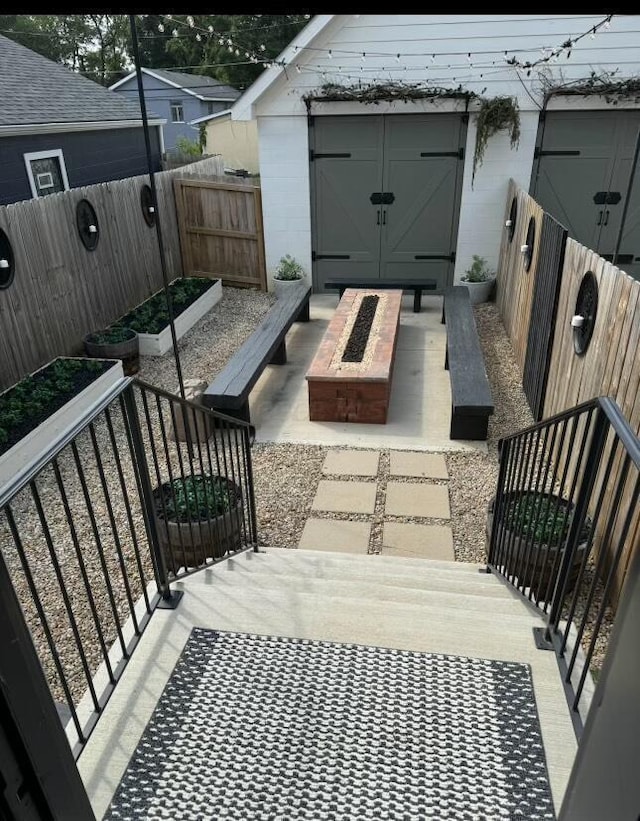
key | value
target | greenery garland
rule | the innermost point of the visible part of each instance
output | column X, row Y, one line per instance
column 603, row 85
column 496, row 114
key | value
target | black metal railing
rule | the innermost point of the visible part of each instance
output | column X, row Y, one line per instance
column 145, row 489
column 562, row 526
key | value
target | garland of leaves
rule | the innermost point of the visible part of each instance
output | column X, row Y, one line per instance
column 374, row 93
column 496, row 114
column 604, row 85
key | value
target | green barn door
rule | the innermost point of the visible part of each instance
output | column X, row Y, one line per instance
column 581, row 178
column 423, row 162
column 386, row 195
column 347, row 170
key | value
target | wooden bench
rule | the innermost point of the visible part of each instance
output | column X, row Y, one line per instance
column 229, row 391
column 471, row 400
column 415, row 285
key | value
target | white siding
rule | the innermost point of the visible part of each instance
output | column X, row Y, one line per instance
column 282, row 114
column 284, row 179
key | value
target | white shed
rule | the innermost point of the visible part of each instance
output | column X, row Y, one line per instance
column 384, row 187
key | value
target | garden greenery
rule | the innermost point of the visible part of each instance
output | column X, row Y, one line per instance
column 198, row 498
column 289, row 269
column 479, row 271
column 152, row 316
column 543, row 517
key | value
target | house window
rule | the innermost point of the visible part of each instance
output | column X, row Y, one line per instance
column 211, row 108
column 177, row 112
column 46, row 171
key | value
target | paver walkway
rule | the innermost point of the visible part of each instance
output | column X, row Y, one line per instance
column 354, row 495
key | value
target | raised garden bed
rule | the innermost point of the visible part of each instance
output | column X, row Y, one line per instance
column 192, row 297
column 42, row 406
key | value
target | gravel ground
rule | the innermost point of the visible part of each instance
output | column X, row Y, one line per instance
column 286, row 478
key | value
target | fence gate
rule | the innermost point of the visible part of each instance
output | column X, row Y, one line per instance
column 544, row 305
column 221, row 232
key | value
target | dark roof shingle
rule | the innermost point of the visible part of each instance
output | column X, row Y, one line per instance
column 34, row 89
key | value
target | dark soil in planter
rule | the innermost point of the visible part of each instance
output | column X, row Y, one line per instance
column 32, row 400
column 152, row 316
column 357, row 343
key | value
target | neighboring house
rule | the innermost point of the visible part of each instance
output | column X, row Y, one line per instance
column 323, row 166
column 59, row 130
column 179, row 98
column 236, row 141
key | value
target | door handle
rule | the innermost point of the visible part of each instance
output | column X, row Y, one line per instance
column 378, row 217
column 606, row 216
column 384, row 216
column 599, row 218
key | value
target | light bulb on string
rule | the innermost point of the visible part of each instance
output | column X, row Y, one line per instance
column 397, row 58
column 607, row 24
column 364, row 57
column 592, row 36
column 160, row 27
column 210, row 29
column 198, row 37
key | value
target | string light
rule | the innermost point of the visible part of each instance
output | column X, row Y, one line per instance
column 160, row 27
column 330, row 55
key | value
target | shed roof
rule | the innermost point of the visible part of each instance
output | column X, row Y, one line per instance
column 199, row 85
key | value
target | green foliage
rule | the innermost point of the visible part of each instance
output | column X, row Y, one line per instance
column 198, row 497
column 112, row 335
column 289, row 269
column 496, row 114
column 479, row 271
column 379, row 92
column 541, row 517
column 34, row 395
column 187, row 147
column 152, row 316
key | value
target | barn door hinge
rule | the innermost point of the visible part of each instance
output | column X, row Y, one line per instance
column 313, row 256
column 311, row 155
column 538, row 152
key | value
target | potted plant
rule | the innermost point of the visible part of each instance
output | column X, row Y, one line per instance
column 479, row 279
column 115, row 343
column 287, row 275
column 533, row 528
column 197, row 517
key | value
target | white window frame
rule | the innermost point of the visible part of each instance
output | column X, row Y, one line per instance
column 176, row 104
column 44, row 155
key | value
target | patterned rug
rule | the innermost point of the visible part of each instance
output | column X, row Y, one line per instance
column 261, row 727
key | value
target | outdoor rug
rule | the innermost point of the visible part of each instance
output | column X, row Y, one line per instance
column 262, row 727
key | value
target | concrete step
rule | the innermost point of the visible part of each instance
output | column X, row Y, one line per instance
column 443, row 594
column 327, row 558
column 389, row 623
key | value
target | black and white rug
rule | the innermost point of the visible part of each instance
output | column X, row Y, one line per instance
column 262, row 727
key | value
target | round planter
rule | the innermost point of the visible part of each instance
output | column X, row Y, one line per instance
column 128, row 351
column 283, row 287
column 479, row 291
column 187, row 544
column 533, row 570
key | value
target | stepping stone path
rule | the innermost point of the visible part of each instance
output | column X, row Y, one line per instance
column 400, row 495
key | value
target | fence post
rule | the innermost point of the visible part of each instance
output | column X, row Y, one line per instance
column 170, row 598
column 592, row 463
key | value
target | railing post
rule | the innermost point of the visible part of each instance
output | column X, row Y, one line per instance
column 170, row 598
column 504, row 450
column 246, row 443
column 594, row 457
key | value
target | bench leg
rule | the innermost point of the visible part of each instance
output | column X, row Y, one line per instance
column 417, row 300
column 469, row 427
column 241, row 413
column 280, row 355
column 446, row 359
column 303, row 316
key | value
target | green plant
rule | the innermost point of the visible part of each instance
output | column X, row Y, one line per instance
column 152, row 316
column 479, row 271
column 542, row 516
column 496, row 114
column 289, row 269
column 190, row 148
column 110, row 336
column 198, row 497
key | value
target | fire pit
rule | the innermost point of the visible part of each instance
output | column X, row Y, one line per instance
column 350, row 377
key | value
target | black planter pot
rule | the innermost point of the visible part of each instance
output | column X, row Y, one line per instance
column 128, row 351
column 188, row 544
column 530, row 561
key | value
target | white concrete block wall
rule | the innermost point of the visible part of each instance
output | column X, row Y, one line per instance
column 286, row 200
column 482, row 207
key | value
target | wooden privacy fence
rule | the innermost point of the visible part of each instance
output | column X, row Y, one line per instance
column 221, row 231
column 610, row 365
column 61, row 291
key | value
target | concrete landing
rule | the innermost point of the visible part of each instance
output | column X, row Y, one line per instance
column 420, row 406
column 428, row 606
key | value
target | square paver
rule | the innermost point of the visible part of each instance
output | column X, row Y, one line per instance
column 351, row 463
column 417, row 541
column 424, row 465
column 413, row 499
column 345, row 497
column 335, row 535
